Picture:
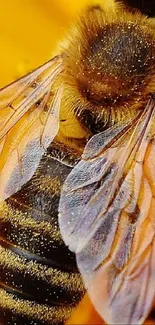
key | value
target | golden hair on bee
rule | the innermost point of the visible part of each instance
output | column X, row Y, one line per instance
column 109, row 64
column 62, row 182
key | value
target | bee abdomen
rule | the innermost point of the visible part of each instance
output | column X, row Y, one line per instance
column 39, row 280
column 14, row 310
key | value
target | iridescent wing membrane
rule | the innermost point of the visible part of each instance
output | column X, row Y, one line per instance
column 29, row 120
column 107, row 217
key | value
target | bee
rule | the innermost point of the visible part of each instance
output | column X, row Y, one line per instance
column 76, row 165
column 146, row 7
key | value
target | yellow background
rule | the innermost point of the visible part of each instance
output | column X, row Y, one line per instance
column 30, row 31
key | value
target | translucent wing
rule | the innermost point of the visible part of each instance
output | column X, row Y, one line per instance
column 107, row 217
column 29, row 120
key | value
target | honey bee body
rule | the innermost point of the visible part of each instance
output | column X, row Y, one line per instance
column 40, row 283
column 75, row 136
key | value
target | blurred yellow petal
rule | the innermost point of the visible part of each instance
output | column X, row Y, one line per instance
column 30, row 31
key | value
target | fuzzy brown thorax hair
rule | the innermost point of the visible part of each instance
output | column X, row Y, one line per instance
column 109, row 64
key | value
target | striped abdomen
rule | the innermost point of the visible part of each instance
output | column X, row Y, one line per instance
column 39, row 281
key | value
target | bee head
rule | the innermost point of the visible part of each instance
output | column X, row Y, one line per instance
column 111, row 60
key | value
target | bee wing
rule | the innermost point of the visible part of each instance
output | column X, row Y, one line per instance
column 29, row 120
column 107, row 217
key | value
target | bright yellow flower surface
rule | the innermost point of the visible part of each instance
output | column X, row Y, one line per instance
column 30, row 31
